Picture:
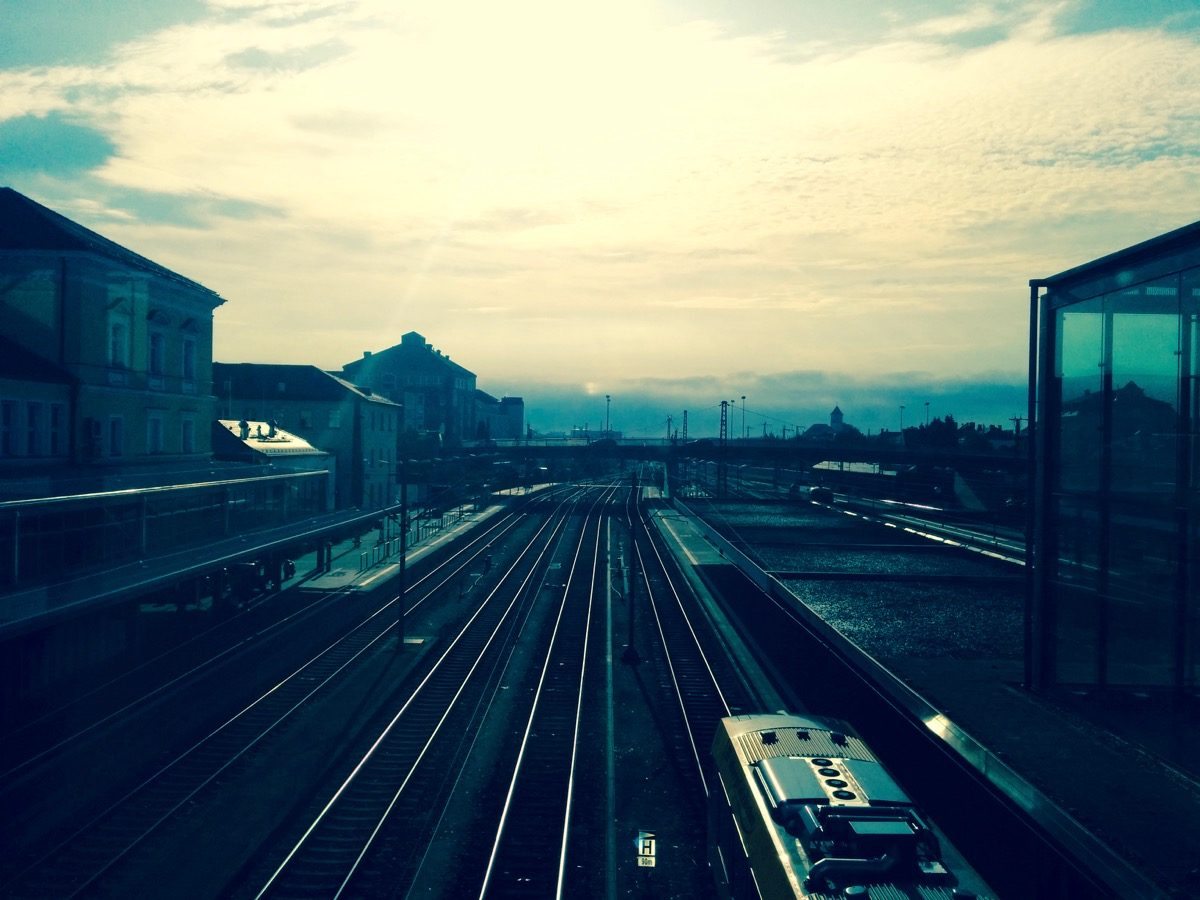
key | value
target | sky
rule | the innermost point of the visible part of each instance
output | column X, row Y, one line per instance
column 666, row 202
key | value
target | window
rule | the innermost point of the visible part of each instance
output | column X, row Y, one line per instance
column 158, row 348
column 116, row 436
column 33, row 428
column 154, row 433
column 118, row 340
column 8, row 427
column 189, row 359
column 187, row 436
column 58, row 419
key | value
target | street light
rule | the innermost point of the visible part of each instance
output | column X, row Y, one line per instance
column 607, row 419
column 902, row 418
column 926, row 413
column 744, row 435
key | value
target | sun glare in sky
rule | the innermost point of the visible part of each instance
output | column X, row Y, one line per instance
column 642, row 193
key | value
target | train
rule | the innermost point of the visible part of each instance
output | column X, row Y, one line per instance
column 803, row 809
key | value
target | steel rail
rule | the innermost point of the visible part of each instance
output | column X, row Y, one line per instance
column 283, row 694
column 527, row 784
column 443, row 669
column 492, row 530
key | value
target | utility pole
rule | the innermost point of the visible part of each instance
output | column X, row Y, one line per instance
column 723, row 447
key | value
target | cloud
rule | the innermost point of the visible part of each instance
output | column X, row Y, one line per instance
column 51, row 143
column 296, row 59
column 637, row 192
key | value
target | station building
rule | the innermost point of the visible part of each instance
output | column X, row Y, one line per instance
column 1115, row 541
column 106, row 356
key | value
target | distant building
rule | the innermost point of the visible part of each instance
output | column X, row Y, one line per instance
column 359, row 428
column 105, row 357
column 499, row 420
column 823, row 432
column 438, row 395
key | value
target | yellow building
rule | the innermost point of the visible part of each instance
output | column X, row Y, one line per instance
column 112, row 363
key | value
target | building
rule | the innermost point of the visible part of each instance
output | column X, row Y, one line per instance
column 106, row 356
column 1115, row 549
column 359, row 428
column 499, row 420
column 822, row 432
column 438, row 395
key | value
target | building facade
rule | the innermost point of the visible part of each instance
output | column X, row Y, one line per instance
column 359, row 428
column 438, row 395
column 1115, row 393
column 499, row 420
column 112, row 358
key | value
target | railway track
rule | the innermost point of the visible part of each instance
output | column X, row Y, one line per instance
column 361, row 840
column 702, row 677
column 77, row 860
column 529, row 851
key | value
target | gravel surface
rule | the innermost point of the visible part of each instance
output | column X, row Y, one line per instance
column 893, row 619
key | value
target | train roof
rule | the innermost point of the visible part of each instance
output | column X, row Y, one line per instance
column 833, row 816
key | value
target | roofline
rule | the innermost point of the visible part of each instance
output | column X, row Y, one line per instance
column 1155, row 246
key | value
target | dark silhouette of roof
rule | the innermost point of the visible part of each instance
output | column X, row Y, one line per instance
column 300, row 382
column 413, row 354
column 20, row 364
column 27, row 225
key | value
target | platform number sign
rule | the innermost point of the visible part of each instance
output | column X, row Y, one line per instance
column 647, row 846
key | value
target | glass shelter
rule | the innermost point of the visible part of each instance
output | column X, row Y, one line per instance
column 1115, row 543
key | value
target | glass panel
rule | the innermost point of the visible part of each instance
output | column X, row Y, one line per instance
column 1145, row 386
column 1141, row 578
column 1075, row 526
column 1075, row 633
column 1190, row 295
column 1078, row 367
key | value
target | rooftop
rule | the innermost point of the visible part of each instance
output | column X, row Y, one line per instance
column 27, row 225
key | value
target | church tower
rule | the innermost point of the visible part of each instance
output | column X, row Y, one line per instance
column 835, row 419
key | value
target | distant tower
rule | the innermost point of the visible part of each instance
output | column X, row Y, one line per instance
column 835, row 419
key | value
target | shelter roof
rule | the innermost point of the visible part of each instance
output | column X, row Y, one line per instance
column 1172, row 251
column 262, row 438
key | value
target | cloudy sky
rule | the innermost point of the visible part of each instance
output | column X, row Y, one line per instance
column 674, row 202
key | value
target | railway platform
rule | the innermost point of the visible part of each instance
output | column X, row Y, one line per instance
column 1123, row 784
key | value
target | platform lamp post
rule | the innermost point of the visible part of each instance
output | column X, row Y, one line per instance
column 607, row 417
column 902, row 418
column 744, row 435
column 402, row 578
column 630, row 655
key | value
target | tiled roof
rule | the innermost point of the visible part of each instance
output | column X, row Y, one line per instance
column 27, row 225
column 263, row 381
